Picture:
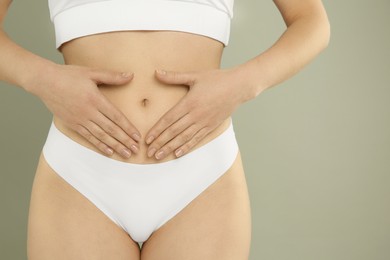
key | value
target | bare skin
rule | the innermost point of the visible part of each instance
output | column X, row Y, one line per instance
column 144, row 99
column 78, row 230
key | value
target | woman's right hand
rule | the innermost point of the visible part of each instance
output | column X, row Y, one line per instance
column 71, row 93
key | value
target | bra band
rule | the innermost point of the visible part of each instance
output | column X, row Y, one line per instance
column 121, row 15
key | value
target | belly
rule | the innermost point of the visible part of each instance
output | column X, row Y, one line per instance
column 143, row 100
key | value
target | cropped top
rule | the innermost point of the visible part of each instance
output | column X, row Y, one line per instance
column 77, row 18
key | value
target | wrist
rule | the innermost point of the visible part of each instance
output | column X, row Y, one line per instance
column 249, row 79
column 32, row 81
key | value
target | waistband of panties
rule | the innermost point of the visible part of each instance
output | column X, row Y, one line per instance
column 59, row 146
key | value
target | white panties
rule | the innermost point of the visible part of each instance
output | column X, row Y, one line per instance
column 139, row 198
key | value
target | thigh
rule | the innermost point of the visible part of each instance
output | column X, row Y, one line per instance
column 214, row 226
column 63, row 224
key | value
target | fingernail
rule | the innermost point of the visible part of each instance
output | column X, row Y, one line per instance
column 127, row 74
column 162, row 72
column 134, row 148
column 150, row 139
column 136, row 137
column 109, row 151
column 126, row 153
column 179, row 153
column 151, row 152
column 160, row 155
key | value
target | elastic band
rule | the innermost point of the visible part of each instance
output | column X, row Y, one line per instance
column 156, row 15
column 225, row 144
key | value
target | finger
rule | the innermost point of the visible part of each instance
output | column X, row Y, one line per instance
column 111, row 77
column 93, row 140
column 117, row 117
column 176, row 78
column 169, row 118
column 184, row 149
column 169, row 134
column 116, row 132
column 178, row 141
column 103, row 137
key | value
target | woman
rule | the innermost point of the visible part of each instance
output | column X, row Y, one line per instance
column 142, row 147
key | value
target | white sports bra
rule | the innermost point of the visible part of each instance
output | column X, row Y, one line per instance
column 77, row 18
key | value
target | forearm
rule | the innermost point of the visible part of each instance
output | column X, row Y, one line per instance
column 20, row 67
column 304, row 39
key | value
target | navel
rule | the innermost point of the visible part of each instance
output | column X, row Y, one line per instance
column 145, row 102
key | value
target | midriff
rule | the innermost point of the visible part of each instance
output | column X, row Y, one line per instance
column 143, row 100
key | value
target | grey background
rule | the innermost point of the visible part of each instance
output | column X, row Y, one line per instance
column 316, row 149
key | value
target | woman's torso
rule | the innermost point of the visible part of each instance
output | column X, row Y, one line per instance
column 144, row 100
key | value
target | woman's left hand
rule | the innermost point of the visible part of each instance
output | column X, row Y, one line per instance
column 212, row 97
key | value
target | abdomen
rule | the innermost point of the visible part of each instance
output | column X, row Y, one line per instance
column 144, row 100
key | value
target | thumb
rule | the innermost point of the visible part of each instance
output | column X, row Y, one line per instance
column 176, row 78
column 111, row 77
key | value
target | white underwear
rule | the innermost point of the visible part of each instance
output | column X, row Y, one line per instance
column 139, row 198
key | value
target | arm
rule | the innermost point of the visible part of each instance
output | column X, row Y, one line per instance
column 214, row 95
column 71, row 93
column 17, row 65
column 307, row 34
